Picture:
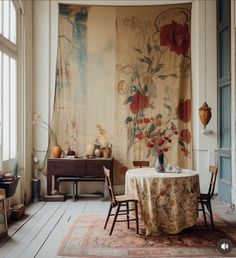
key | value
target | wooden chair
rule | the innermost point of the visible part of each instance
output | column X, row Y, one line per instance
column 205, row 199
column 116, row 202
column 141, row 163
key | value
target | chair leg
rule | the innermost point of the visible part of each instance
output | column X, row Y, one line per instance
column 136, row 215
column 127, row 208
column 211, row 215
column 108, row 216
column 114, row 221
column 204, row 213
column 76, row 189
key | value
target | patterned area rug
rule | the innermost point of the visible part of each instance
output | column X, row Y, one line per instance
column 87, row 238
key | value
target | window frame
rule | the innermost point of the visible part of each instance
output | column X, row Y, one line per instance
column 14, row 51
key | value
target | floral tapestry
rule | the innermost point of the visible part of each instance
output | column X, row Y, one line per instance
column 154, row 82
column 128, row 70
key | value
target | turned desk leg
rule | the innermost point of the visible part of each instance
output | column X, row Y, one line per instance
column 49, row 184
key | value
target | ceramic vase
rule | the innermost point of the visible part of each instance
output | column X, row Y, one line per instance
column 107, row 152
column 97, row 153
column 56, row 151
column 161, row 162
column 205, row 114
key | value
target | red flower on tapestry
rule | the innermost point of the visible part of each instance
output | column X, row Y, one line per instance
column 138, row 102
column 184, row 110
column 185, row 135
column 176, row 36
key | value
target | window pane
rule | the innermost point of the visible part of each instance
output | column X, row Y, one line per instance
column 13, row 125
column 6, row 109
column 12, row 23
column 6, row 16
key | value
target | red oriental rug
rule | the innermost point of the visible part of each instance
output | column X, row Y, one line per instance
column 87, row 238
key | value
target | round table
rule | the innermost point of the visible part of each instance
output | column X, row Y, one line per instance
column 168, row 202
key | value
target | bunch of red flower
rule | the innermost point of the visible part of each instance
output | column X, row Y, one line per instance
column 156, row 134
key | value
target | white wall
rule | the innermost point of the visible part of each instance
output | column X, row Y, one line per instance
column 204, row 83
column 45, row 47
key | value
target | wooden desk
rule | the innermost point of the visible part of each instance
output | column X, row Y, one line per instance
column 84, row 169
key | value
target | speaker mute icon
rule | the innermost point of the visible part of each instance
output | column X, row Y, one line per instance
column 224, row 246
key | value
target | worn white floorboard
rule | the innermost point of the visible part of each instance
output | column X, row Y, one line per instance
column 22, row 237
column 97, row 206
column 50, row 247
column 32, row 209
column 35, row 244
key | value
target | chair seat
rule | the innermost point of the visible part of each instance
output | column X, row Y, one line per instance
column 125, row 198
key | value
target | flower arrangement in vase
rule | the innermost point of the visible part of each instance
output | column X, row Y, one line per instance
column 71, row 131
column 103, row 142
column 39, row 121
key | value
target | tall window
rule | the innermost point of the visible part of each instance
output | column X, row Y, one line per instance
column 8, row 83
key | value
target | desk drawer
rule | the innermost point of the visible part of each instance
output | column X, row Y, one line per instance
column 66, row 167
column 95, row 168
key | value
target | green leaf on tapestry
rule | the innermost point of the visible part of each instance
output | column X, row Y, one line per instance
column 142, row 60
column 158, row 68
column 151, row 128
column 181, row 143
column 138, row 50
column 173, row 75
column 148, row 60
column 167, row 106
column 159, row 116
column 128, row 119
column 151, row 106
column 145, row 89
column 162, row 77
column 163, row 132
column 148, row 154
column 129, row 99
column 157, row 48
column 149, row 48
column 134, row 88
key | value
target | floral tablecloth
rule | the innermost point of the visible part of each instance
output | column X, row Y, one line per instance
column 168, row 202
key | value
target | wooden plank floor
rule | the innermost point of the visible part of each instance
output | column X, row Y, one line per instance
column 39, row 234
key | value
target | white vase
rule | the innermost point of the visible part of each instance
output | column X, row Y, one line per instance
column 97, row 153
column 90, row 149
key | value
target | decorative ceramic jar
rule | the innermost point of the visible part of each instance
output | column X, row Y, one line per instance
column 56, row 151
column 97, row 152
column 107, row 152
column 205, row 114
column 90, row 150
